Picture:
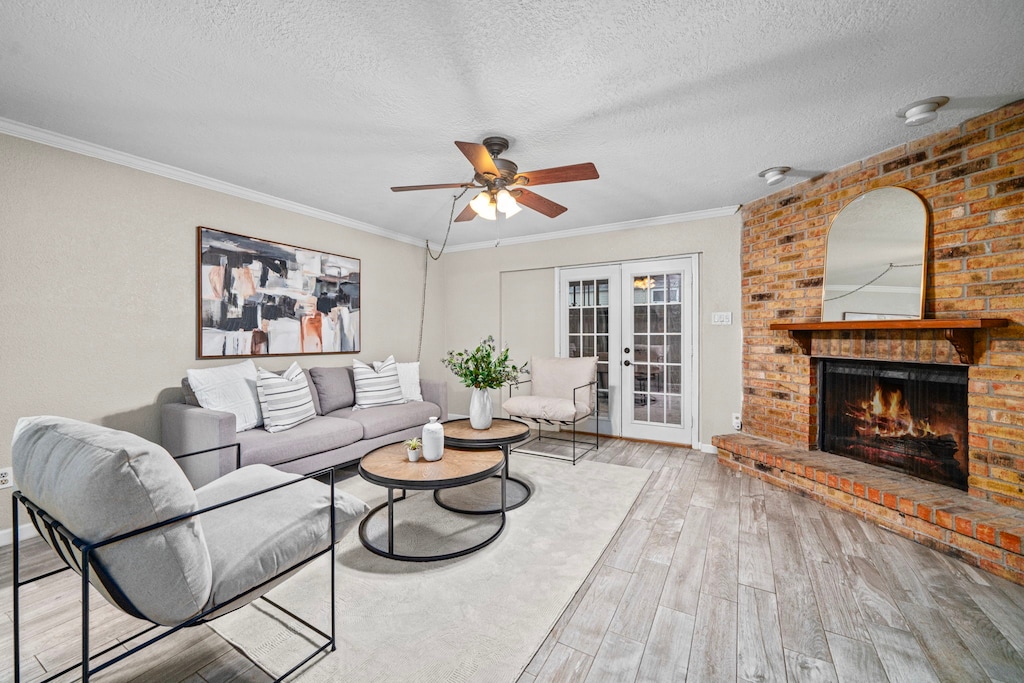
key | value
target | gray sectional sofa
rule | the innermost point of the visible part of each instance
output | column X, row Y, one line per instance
column 338, row 435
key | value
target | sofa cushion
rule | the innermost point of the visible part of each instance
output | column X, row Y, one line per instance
column 100, row 483
column 545, row 408
column 313, row 393
column 334, row 387
column 387, row 419
column 285, row 400
column 230, row 389
column 409, row 380
column 316, row 436
column 253, row 540
column 377, row 385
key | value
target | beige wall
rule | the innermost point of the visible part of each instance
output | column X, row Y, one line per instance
column 509, row 290
column 97, row 265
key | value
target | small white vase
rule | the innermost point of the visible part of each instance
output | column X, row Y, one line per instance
column 480, row 409
column 414, row 453
column 433, row 440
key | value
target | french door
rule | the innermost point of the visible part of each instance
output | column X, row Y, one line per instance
column 639, row 319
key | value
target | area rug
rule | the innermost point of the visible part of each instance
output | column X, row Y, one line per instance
column 480, row 617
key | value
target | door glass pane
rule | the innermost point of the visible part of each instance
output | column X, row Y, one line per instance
column 657, row 318
column 674, row 349
column 640, row 407
column 640, row 287
column 588, row 346
column 674, row 385
column 588, row 321
column 602, row 320
column 588, row 293
column 602, row 292
column 673, row 410
column 602, row 346
column 656, row 408
column 656, row 349
column 574, row 346
column 674, row 318
column 658, row 291
column 574, row 321
column 639, row 319
column 657, row 378
column 675, row 287
column 640, row 348
column 574, row 294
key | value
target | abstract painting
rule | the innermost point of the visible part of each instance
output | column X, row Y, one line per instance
column 260, row 298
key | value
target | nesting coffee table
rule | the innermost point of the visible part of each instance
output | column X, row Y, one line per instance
column 389, row 466
column 502, row 434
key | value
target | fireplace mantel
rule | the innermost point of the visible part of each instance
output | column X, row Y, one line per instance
column 958, row 331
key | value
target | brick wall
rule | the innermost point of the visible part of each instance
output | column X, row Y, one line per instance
column 972, row 179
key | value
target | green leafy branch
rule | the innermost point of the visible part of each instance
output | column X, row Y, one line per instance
column 484, row 367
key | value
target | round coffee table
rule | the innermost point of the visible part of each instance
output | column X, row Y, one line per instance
column 502, row 434
column 389, row 466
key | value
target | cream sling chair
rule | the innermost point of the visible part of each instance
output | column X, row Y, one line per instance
column 119, row 511
column 563, row 393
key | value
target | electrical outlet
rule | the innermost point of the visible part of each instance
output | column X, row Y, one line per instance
column 737, row 421
column 6, row 480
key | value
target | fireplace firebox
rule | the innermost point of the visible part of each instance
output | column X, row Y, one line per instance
column 907, row 417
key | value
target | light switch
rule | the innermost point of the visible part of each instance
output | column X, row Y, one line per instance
column 721, row 318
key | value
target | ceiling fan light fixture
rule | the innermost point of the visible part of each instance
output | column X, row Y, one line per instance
column 775, row 174
column 922, row 111
column 506, row 203
column 483, row 206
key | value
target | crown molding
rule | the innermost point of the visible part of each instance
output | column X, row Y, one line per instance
column 65, row 142
column 598, row 229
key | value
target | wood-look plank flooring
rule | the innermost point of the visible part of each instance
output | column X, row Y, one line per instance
column 713, row 576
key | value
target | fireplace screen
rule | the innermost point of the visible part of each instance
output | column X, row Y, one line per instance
column 907, row 417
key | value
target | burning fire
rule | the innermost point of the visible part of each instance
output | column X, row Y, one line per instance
column 887, row 414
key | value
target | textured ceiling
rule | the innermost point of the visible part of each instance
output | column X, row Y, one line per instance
column 328, row 104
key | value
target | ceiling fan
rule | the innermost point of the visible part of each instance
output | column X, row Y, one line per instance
column 502, row 186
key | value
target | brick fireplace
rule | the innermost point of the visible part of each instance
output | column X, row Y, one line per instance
column 972, row 180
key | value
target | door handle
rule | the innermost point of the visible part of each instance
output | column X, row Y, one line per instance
column 625, row 350
column 626, row 363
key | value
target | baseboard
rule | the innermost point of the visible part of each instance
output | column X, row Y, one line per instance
column 707, row 448
column 24, row 531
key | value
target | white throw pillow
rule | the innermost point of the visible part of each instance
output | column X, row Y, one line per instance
column 377, row 385
column 408, row 378
column 230, row 389
column 284, row 399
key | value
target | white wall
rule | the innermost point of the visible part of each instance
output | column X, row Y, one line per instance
column 479, row 294
column 97, row 266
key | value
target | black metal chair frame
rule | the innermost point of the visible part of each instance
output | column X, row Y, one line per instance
column 590, row 446
column 74, row 546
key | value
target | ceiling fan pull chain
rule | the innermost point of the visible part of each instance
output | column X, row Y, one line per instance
column 426, row 263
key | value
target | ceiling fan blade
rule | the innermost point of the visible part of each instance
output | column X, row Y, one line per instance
column 534, row 201
column 562, row 174
column 479, row 157
column 406, row 188
column 467, row 214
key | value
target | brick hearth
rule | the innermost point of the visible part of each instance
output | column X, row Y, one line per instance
column 987, row 535
column 972, row 180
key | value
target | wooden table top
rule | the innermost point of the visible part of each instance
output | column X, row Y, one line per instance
column 390, row 466
column 501, row 430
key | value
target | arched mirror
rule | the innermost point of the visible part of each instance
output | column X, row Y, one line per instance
column 875, row 258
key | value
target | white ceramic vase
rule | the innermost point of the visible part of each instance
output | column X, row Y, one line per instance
column 480, row 409
column 433, row 440
column 414, row 453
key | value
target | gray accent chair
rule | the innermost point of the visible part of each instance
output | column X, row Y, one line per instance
column 119, row 511
column 563, row 393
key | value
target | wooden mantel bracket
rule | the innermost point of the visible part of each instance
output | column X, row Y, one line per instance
column 963, row 341
column 958, row 331
column 803, row 339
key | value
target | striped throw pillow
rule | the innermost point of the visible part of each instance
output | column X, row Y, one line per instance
column 377, row 387
column 284, row 399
